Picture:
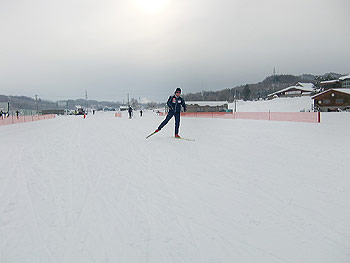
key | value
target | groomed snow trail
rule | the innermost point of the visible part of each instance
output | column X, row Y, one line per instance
column 95, row 190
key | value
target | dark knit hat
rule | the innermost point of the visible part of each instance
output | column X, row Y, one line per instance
column 177, row 89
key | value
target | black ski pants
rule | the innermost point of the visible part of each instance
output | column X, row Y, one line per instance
column 167, row 119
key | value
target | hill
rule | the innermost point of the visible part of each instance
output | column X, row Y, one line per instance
column 261, row 89
column 30, row 104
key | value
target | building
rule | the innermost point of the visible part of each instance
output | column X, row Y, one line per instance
column 345, row 82
column 342, row 82
column 5, row 106
column 330, row 84
column 332, row 100
column 207, row 106
column 53, row 111
column 299, row 89
column 123, row 107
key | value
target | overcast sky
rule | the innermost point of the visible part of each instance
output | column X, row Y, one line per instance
column 57, row 49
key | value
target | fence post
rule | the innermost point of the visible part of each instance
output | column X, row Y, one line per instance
column 319, row 117
column 269, row 115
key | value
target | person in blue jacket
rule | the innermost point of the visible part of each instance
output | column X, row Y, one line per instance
column 175, row 102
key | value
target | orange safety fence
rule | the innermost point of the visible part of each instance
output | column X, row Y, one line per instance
column 208, row 114
column 118, row 114
column 296, row 116
column 314, row 117
column 22, row 119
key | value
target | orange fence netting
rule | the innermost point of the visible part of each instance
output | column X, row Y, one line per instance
column 22, row 119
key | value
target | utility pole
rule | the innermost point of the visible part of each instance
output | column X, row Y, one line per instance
column 274, row 79
column 202, row 91
column 41, row 106
column 37, row 106
column 86, row 98
column 235, row 101
column 128, row 100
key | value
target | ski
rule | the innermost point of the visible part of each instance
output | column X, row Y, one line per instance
column 182, row 138
column 150, row 134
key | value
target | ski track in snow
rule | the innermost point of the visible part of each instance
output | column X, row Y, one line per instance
column 94, row 190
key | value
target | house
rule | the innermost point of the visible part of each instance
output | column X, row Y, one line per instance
column 345, row 82
column 330, row 84
column 342, row 82
column 299, row 89
column 332, row 100
column 207, row 106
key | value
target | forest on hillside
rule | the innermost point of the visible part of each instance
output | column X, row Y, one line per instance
column 259, row 90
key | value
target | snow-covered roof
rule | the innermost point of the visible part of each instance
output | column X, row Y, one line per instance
column 306, row 89
column 344, row 77
column 305, row 85
column 329, row 81
column 347, row 91
column 207, row 103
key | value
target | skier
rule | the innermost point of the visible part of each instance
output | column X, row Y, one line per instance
column 130, row 112
column 174, row 103
column 141, row 113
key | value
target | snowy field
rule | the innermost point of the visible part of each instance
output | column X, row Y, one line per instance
column 95, row 190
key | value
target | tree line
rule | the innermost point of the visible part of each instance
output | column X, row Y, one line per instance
column 259, row 90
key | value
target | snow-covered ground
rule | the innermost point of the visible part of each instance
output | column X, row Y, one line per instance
column 95, row 190
column 296, row 104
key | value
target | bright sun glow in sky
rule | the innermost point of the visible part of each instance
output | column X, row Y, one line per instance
column 151, row 6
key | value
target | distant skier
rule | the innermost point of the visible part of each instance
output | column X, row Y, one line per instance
column 130, row 112
column 141, row 112
column 175, row 102
column 17, row 113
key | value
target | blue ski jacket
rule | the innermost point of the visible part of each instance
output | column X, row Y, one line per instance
column 174, row 103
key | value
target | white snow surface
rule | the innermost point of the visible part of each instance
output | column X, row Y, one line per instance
column 295, row 104
column 95, row 190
